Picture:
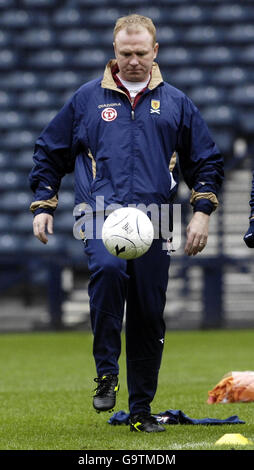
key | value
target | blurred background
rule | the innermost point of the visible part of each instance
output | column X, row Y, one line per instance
column 48, row 48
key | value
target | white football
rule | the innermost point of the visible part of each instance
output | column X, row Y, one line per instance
column 127, row 233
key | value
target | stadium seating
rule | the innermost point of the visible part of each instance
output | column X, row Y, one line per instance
column 63, row 80
column 207, row 95
column 37, row 99
column 240, row 34
column 40, row 3
column 99, row 3
column 6, row 100
column 42, row 118
column 20, row 80
column 15, row 202
column 104, row 17
column 175, row 55
column 5, row 39
column 231, row 76
column 8, row 59
column 48, row 59
column 246, row 55
column 220, row 116
column 14, row 140
column 5, row 222
column 187, row 77
column 232, row 13
column 6, row 160
column 4, row 4
column 224, row 139
column 23, row 223
column 49, row 48
column 247, row 122
column 54, row 246
column 10, row 180
column 64, row 223
column 66, row 200
column 204, row 34
column 216, row 56
column 14, row 18
column 67, row 17
column 189, row 14
column 12, row 120
column 79, row 37
column 243, row 95
column 168, row 35
column 22, row 160
column 37, row 38
column 11, row 244
column 91, row 58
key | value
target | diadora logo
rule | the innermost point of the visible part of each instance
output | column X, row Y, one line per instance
column 155, row 107
column 109, row 114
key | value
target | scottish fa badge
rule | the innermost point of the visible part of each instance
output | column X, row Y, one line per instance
column 155, row 107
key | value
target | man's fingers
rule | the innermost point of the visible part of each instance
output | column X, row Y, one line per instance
column 192, row 243
column 189, row 242
column 50, row 225
column 197, row 234
column 202, row 245
column 39, row 232
column 193, row 247
column 41, row 223
column 195, row 244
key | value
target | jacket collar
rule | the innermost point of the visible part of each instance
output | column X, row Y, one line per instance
column 109, row 82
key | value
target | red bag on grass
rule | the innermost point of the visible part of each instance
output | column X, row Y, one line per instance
column 234, row 387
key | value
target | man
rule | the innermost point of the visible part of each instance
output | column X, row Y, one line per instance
column 122, row 133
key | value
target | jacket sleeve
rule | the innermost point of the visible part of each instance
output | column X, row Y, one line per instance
column 200, row 160
column 54, row 156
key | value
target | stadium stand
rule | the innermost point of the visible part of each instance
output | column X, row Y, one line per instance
column 48, row 48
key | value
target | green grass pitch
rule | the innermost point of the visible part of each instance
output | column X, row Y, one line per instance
column 47, row 386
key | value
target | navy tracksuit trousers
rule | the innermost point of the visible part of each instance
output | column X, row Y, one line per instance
column 142, row 283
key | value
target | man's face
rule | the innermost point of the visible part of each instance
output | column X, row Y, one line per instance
column 135, row 54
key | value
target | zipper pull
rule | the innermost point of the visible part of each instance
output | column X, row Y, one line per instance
column 132, row 114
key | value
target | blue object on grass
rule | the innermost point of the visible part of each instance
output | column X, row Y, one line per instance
column 175, row 417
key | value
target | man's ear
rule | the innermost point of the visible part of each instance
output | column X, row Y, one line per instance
column 114, row 47
column 156, row 48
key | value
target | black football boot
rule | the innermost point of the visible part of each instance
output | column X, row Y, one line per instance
column 144, row 422
column 105, row 393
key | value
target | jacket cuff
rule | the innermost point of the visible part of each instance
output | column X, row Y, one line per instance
column 204, row 205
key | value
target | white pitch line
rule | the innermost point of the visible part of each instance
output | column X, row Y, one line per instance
column 204, row 444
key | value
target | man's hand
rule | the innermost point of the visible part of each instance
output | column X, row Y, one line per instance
column 197, row 233
column 41, row 223
column 249, row 235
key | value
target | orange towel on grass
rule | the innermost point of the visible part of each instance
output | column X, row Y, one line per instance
column 233, row 387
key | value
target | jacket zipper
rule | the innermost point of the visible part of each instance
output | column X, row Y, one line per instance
column 133, row 106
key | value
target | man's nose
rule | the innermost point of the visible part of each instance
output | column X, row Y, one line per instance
column 134, row 61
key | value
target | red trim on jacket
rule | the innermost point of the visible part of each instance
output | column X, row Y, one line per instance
column 119, row 84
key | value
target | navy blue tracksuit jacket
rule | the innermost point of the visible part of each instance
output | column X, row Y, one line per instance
column 127, row 154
